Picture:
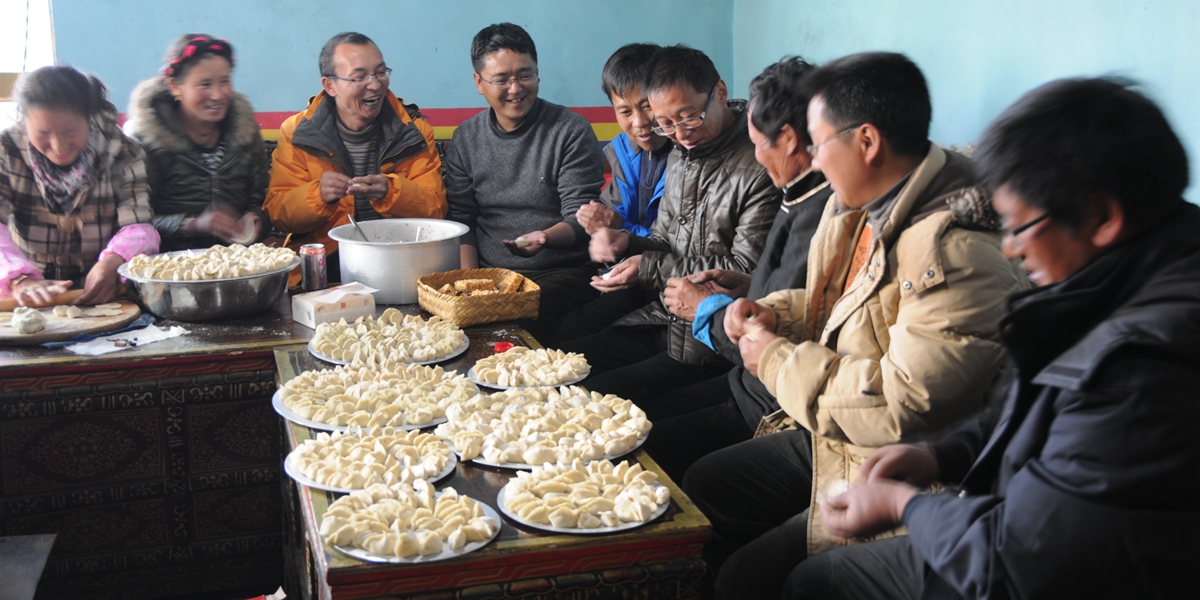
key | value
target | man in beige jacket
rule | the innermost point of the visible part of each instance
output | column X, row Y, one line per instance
column 893, row 337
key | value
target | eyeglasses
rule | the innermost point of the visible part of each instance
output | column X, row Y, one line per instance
column 522, row 80
column 380, row 75
column 1012, row 233
column 688, row 123
column 812, row 150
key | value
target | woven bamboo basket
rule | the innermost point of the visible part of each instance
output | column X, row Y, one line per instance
column 465, row 311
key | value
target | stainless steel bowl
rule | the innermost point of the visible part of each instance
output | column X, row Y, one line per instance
column 210, row 299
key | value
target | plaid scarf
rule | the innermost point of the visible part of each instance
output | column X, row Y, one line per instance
column 62, row 184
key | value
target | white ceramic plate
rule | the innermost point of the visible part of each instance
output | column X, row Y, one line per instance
column 455, row 353
column 289, row 466
column 446, row 553
column 478, row 381
column 480, row 460
column 625, row 526
column 285, row 412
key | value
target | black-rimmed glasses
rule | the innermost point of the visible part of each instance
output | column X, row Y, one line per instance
column 1023, row 228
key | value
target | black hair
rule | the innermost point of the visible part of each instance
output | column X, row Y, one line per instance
column 501, row 36
column 177, row 62
column 62, row 87
column 778, row 98
column 1071, row 139
column 884, row 89
column 325, row 60
column 678, row 65
column 626, row 67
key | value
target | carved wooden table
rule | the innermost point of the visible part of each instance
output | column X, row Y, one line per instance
column 658, row 560
column 157, row 466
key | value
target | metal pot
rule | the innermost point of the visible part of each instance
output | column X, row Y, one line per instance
column 210, row 299
column 396, row 253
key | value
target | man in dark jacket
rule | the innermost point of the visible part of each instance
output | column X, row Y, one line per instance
column 715, row 413
column 1080, row 483
column 716, row 210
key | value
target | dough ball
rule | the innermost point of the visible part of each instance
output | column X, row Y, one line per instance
column 28, row 320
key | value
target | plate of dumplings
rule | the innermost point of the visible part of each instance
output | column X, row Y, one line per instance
column 522, row 367
column 343, row 463
column 404, row 396
column 519, row 429
column 408, row 524
column 578, row 499
column 393, row 337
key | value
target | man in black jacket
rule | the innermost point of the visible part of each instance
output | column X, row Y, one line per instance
column 1080, row 483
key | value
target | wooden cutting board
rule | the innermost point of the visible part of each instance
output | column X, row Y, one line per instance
column 59, row 329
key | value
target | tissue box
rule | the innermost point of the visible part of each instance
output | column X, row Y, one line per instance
column 349, row 302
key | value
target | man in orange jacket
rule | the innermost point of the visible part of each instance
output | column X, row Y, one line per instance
column 355, row 150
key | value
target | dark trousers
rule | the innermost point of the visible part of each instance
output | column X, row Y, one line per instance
column 562, row 290
column 756, row 494
column 693, row 421
column 594, row 316
column 632, row 362
column 887, row 569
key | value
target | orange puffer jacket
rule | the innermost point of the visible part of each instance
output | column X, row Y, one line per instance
column 309, row 146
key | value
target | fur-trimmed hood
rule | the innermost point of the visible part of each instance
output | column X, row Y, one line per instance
column 152, row 119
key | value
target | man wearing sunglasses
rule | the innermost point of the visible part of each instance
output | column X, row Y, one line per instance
column 717, row 207
column 517, row 173
column 356, row 150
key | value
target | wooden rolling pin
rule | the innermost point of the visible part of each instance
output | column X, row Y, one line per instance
column 67, row 297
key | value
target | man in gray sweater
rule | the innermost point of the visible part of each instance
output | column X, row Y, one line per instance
column 517, row 173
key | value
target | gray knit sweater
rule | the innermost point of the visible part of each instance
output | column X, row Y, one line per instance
column 504, row 184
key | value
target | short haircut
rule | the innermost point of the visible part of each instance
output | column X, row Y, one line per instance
column 626, row 67
column 680, row 65
column 778, row 98
column 884, row 89
column 500, row 36
column 62, row 88
column 1071, row 139
column 325, row 61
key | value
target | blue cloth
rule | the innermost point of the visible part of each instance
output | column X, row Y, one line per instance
column 145, row 320
column 631, row 168
column 703, row 321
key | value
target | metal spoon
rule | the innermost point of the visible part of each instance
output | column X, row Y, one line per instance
column 355, row 224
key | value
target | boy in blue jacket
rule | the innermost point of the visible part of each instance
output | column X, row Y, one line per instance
column 637, row 156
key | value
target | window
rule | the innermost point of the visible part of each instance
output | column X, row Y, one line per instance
column 26, row 43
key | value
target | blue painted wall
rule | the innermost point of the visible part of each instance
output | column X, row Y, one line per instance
column 426, row 41
column 979, row 56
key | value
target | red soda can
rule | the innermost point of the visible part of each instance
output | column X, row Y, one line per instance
column 312, row 267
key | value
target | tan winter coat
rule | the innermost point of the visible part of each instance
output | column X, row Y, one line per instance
column 911, row 346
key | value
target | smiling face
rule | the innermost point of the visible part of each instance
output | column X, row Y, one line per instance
column 785, row 158
column 635, row 118
column 206, row 90
column 837, row 157
column 675, row 103
column 59, row 135
column 1048, row 251
column 512, row 102
column 358, row 104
